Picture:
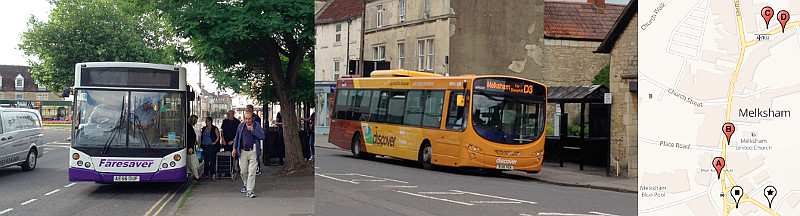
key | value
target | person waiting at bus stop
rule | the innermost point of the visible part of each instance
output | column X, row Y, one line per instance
column 191, row 142
column 210, row 139
column 246, row 149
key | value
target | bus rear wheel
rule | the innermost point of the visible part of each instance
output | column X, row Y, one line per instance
column 425, row 155
column 355, row 147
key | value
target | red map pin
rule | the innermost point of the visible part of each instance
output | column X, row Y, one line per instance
column 728, row 129
column 767, row 13
column 783, row 17
column 718, row 164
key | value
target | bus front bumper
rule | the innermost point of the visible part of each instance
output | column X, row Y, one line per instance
column 170, row 175
column 479, row 160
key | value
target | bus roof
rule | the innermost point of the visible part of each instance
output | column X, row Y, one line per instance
column 404, row 79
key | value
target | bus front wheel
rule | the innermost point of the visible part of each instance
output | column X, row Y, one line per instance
column 425, row 155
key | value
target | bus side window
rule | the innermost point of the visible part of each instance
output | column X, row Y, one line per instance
column 362, row 107
column 382, row 107
column 396, row 108
column 341, row 104
column 455, row 114
column 373, row 105
column 433, row 109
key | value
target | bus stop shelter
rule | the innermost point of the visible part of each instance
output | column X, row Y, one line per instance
column 592, row 147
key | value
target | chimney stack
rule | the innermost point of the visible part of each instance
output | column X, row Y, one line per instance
column 597, row 3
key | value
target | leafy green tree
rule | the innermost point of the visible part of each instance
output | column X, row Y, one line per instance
column 602, row 76
column 258, row 47
column 94, row 31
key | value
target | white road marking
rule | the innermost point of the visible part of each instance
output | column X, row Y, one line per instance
column 525, row 215
column 369, row 180
column 337, row 179
column 340, row 174
column 29, row 201
column 6, row 211
column 362, row 175
column 496, row 197
column 400, row 186
column 436, row 198
column 69, row 185
column 52, row 192
column 58, row 143
column 45, row 152
column 496, row 202
column 441, row 193
column 600, row 213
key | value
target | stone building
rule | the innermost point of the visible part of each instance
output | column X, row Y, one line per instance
column 338, row 40
column 455, row 37
column 19, row 89
column 572, row 30
column 622, row 44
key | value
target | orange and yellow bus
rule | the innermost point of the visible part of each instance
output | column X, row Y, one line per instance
column 490, row 122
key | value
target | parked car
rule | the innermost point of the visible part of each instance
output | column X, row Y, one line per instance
column 21, row 137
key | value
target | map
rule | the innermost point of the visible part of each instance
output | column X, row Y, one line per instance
column 718, row 84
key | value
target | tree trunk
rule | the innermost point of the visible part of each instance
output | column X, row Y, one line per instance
column 294, row 160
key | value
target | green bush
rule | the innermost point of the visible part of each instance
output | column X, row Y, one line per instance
column 549, row 129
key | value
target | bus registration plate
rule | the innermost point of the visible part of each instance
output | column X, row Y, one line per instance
column 126, row 178
column 505, row 167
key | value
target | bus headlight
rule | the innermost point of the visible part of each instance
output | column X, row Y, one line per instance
column 76, row 156
column 164, row 165
column 80, row 163
column 538, row 153
column 172, row 164
column 88, row 164
column 177, row 157
column 473, row 148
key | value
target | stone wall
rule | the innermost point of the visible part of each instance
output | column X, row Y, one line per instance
column 624, row 108
column 571, row 63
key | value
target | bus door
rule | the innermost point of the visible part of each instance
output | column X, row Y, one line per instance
column 455, row 123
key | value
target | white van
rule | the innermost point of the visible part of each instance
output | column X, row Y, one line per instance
column 21, row 137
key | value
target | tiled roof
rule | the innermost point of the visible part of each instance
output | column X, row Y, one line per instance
column 579, row 20
column 619, row 27
column 339, row 10
column 9, row 74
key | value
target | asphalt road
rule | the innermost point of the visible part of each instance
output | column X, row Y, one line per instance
column 387, row 186
column 47, row 191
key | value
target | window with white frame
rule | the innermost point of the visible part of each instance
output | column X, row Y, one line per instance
column 430, row 54
column 382, row 52
column 41, row 87
column 379, row 53
column 427, row 9
column 41, row 96
column 401, row 54
column 1, row 82
column 2, row 96
column 421, row 57
column 335, row 70
column 402, row 10
column 379, row 21
column 20, row 81
column 19, row 96
column 338, row 32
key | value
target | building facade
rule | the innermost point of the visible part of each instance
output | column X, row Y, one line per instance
column 455, row 37
column 622, row 44
column 338, row 42
column 19, row 89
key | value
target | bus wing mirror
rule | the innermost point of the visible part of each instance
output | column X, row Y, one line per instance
column 460, row 100
column 65, row 92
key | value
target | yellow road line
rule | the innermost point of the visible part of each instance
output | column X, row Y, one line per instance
column 154, row 205
column 165, row 202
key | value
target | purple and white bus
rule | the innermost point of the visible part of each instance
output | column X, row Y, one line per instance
column 130, row 123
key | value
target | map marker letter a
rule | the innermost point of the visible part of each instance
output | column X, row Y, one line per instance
column 718, row 164
column 728, row 129
column 767, row 13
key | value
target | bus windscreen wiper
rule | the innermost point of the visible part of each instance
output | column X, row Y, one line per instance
column 142, row 134
column 116, row 129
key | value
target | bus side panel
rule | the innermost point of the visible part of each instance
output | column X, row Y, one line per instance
column 446, row 146
column 392, row 140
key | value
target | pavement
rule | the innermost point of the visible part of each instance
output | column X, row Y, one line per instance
column 569, row 175
column 275, row 195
